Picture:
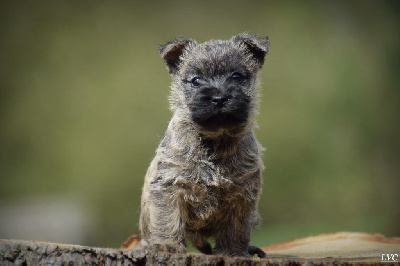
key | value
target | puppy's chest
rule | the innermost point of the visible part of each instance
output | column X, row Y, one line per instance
column 207, row 188
column 206, row 204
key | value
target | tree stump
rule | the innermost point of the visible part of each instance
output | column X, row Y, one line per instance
column 339, row 248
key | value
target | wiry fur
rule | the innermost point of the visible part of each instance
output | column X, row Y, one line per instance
column 205, row 180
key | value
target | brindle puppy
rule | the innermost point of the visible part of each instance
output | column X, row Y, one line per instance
column 205, row 180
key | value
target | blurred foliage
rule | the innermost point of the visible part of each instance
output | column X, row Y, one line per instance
column 83, row 105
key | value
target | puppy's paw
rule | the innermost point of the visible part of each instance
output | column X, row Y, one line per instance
column 256, row 251
column 206, row 249
column 173, row 248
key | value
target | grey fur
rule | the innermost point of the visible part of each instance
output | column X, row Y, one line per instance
column 205, row 180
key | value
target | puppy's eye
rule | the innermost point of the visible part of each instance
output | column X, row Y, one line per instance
column 237, row 76
column 195, row 82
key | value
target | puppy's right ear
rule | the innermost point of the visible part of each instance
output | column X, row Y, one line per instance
column 171, row 52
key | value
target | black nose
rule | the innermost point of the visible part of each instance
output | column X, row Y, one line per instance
column 219, row 100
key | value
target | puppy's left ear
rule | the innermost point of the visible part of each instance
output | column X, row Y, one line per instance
column 171, row 52
column 256, row 45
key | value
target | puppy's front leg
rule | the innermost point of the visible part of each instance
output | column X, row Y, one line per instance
column 165, row 226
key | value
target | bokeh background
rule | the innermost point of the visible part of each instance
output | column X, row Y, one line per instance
column 83, row 105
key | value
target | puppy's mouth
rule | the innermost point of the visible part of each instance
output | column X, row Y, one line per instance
column 213, row 117
column 222, row 120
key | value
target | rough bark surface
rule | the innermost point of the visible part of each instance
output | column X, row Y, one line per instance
column 367, row 250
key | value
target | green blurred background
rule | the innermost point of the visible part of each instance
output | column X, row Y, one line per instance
column 83, row 105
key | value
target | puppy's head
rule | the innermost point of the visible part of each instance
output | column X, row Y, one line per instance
column 215, row 83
